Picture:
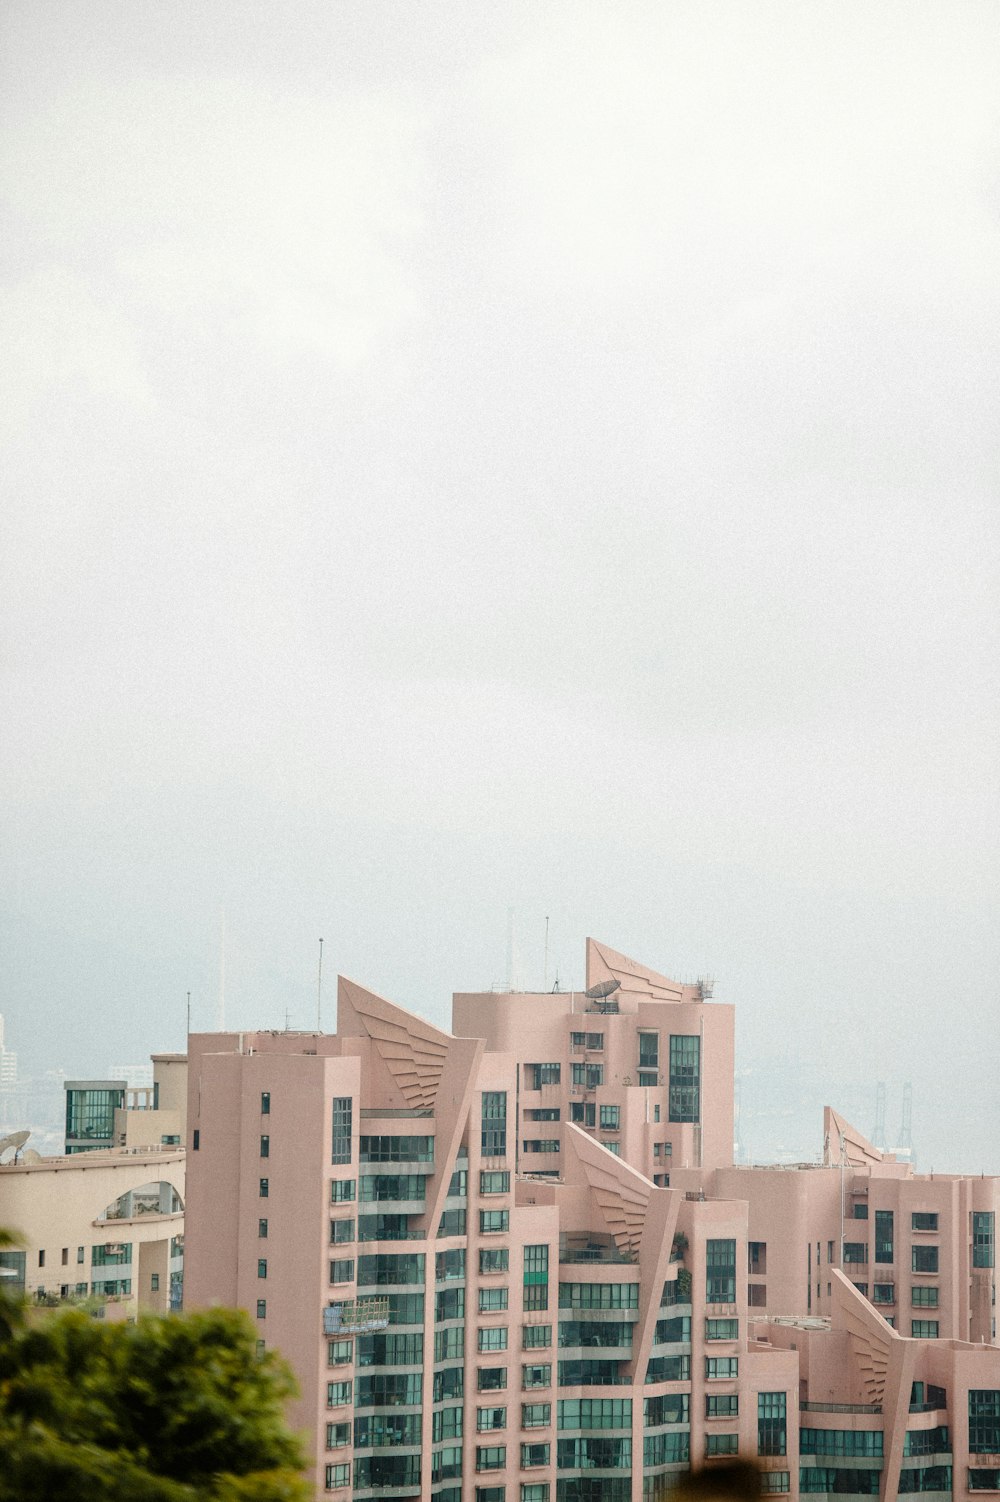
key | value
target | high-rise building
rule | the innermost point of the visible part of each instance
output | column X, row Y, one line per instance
column 516, row 1263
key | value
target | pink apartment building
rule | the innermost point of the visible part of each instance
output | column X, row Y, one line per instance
column 515, row 1263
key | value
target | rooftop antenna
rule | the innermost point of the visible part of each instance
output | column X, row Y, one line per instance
column 510, row 949
column 319, row 991
column 545, row 969
column 287, row 1020
column 189, row 1014
column 220, row 1011
column 878, row 1135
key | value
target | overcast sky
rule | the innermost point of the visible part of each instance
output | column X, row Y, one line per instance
column 464, row 457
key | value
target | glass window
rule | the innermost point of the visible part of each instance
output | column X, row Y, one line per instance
column 342, row 1270
column 338, row 1475
column 722, row 1405
column 536, row 1415
column 265, row 1146
column 610, row 1118
column 445, row 1424
column 536, row 1376
column 342, row 1128
column 536, row 1337
column 386, row 1148
column 490, row 1418
column 884, row 1239
column 851, row 1442
column 262, row 1308
column 667, row 1408
column 342, row 1191
column 491, row 1300
column 884, row 1293
column 491, row 1457
column 772, row 1482
column 722, row 1444
column 722, row 1329
column 265, row 1102
column 449, row 1304
column 720, row 1271
column 855, row 1252
column 983, row 1238
column 924, row 1296
column 594, row 1452
column 649, row 1050
column 494, row 1124
column 338, row 1352
column 771, row 1423
column 494, row 1259
column 450, row 1264
column 450, row 1382
column 924, row 1220
column 452, row 1223
column 534, row 1454
column 262, row 1228
column 541, row 1145
column 685, row 1079
column 543, row 1074
column 380, row 1269
column 337, row 1393
column 337, row 1435
column 536, row 1277
column 494, row 1339
column 491, row 1378
column 721, row 1367
column 262, row 1267
column 924, row 1259
column 342, row 1230
column 496, row 1181
column 587, row 1075
column 534, row 1491
column 924, row 1329
column 594, row 1413
column 493, row 1220
column 602, row 1295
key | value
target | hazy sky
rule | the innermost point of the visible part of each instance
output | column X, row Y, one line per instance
column 463, row 457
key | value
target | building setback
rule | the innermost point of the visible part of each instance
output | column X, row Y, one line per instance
column 516, row 1263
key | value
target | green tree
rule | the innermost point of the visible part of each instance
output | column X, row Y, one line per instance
column 174, row 1409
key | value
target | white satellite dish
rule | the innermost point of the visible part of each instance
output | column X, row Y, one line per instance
column 15, row 1140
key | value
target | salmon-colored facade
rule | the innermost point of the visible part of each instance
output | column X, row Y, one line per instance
column 516, row 1263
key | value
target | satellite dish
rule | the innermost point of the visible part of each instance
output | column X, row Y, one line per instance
column 30, row 1156
column 606, row 987
column 16, row 1140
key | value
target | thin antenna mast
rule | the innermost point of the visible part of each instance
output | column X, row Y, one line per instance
column 545, row 968
column 319, row 991
column 220, row 1013
column 189, row 1014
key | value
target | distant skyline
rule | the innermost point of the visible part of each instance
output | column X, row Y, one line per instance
column 480, row 458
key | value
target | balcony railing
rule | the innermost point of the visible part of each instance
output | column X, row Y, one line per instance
column 840, row 1407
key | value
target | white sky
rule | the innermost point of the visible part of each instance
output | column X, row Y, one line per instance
column 463, row 457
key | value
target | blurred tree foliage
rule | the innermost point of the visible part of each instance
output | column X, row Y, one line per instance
column 174, row 1409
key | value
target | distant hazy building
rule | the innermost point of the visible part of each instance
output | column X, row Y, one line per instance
column 8, row 1060
column 516, row 1263
column 137, row 1076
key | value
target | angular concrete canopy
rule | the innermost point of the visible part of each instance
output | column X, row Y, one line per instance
column 414, row 1051
column 857, row 1149
column 604, row 964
